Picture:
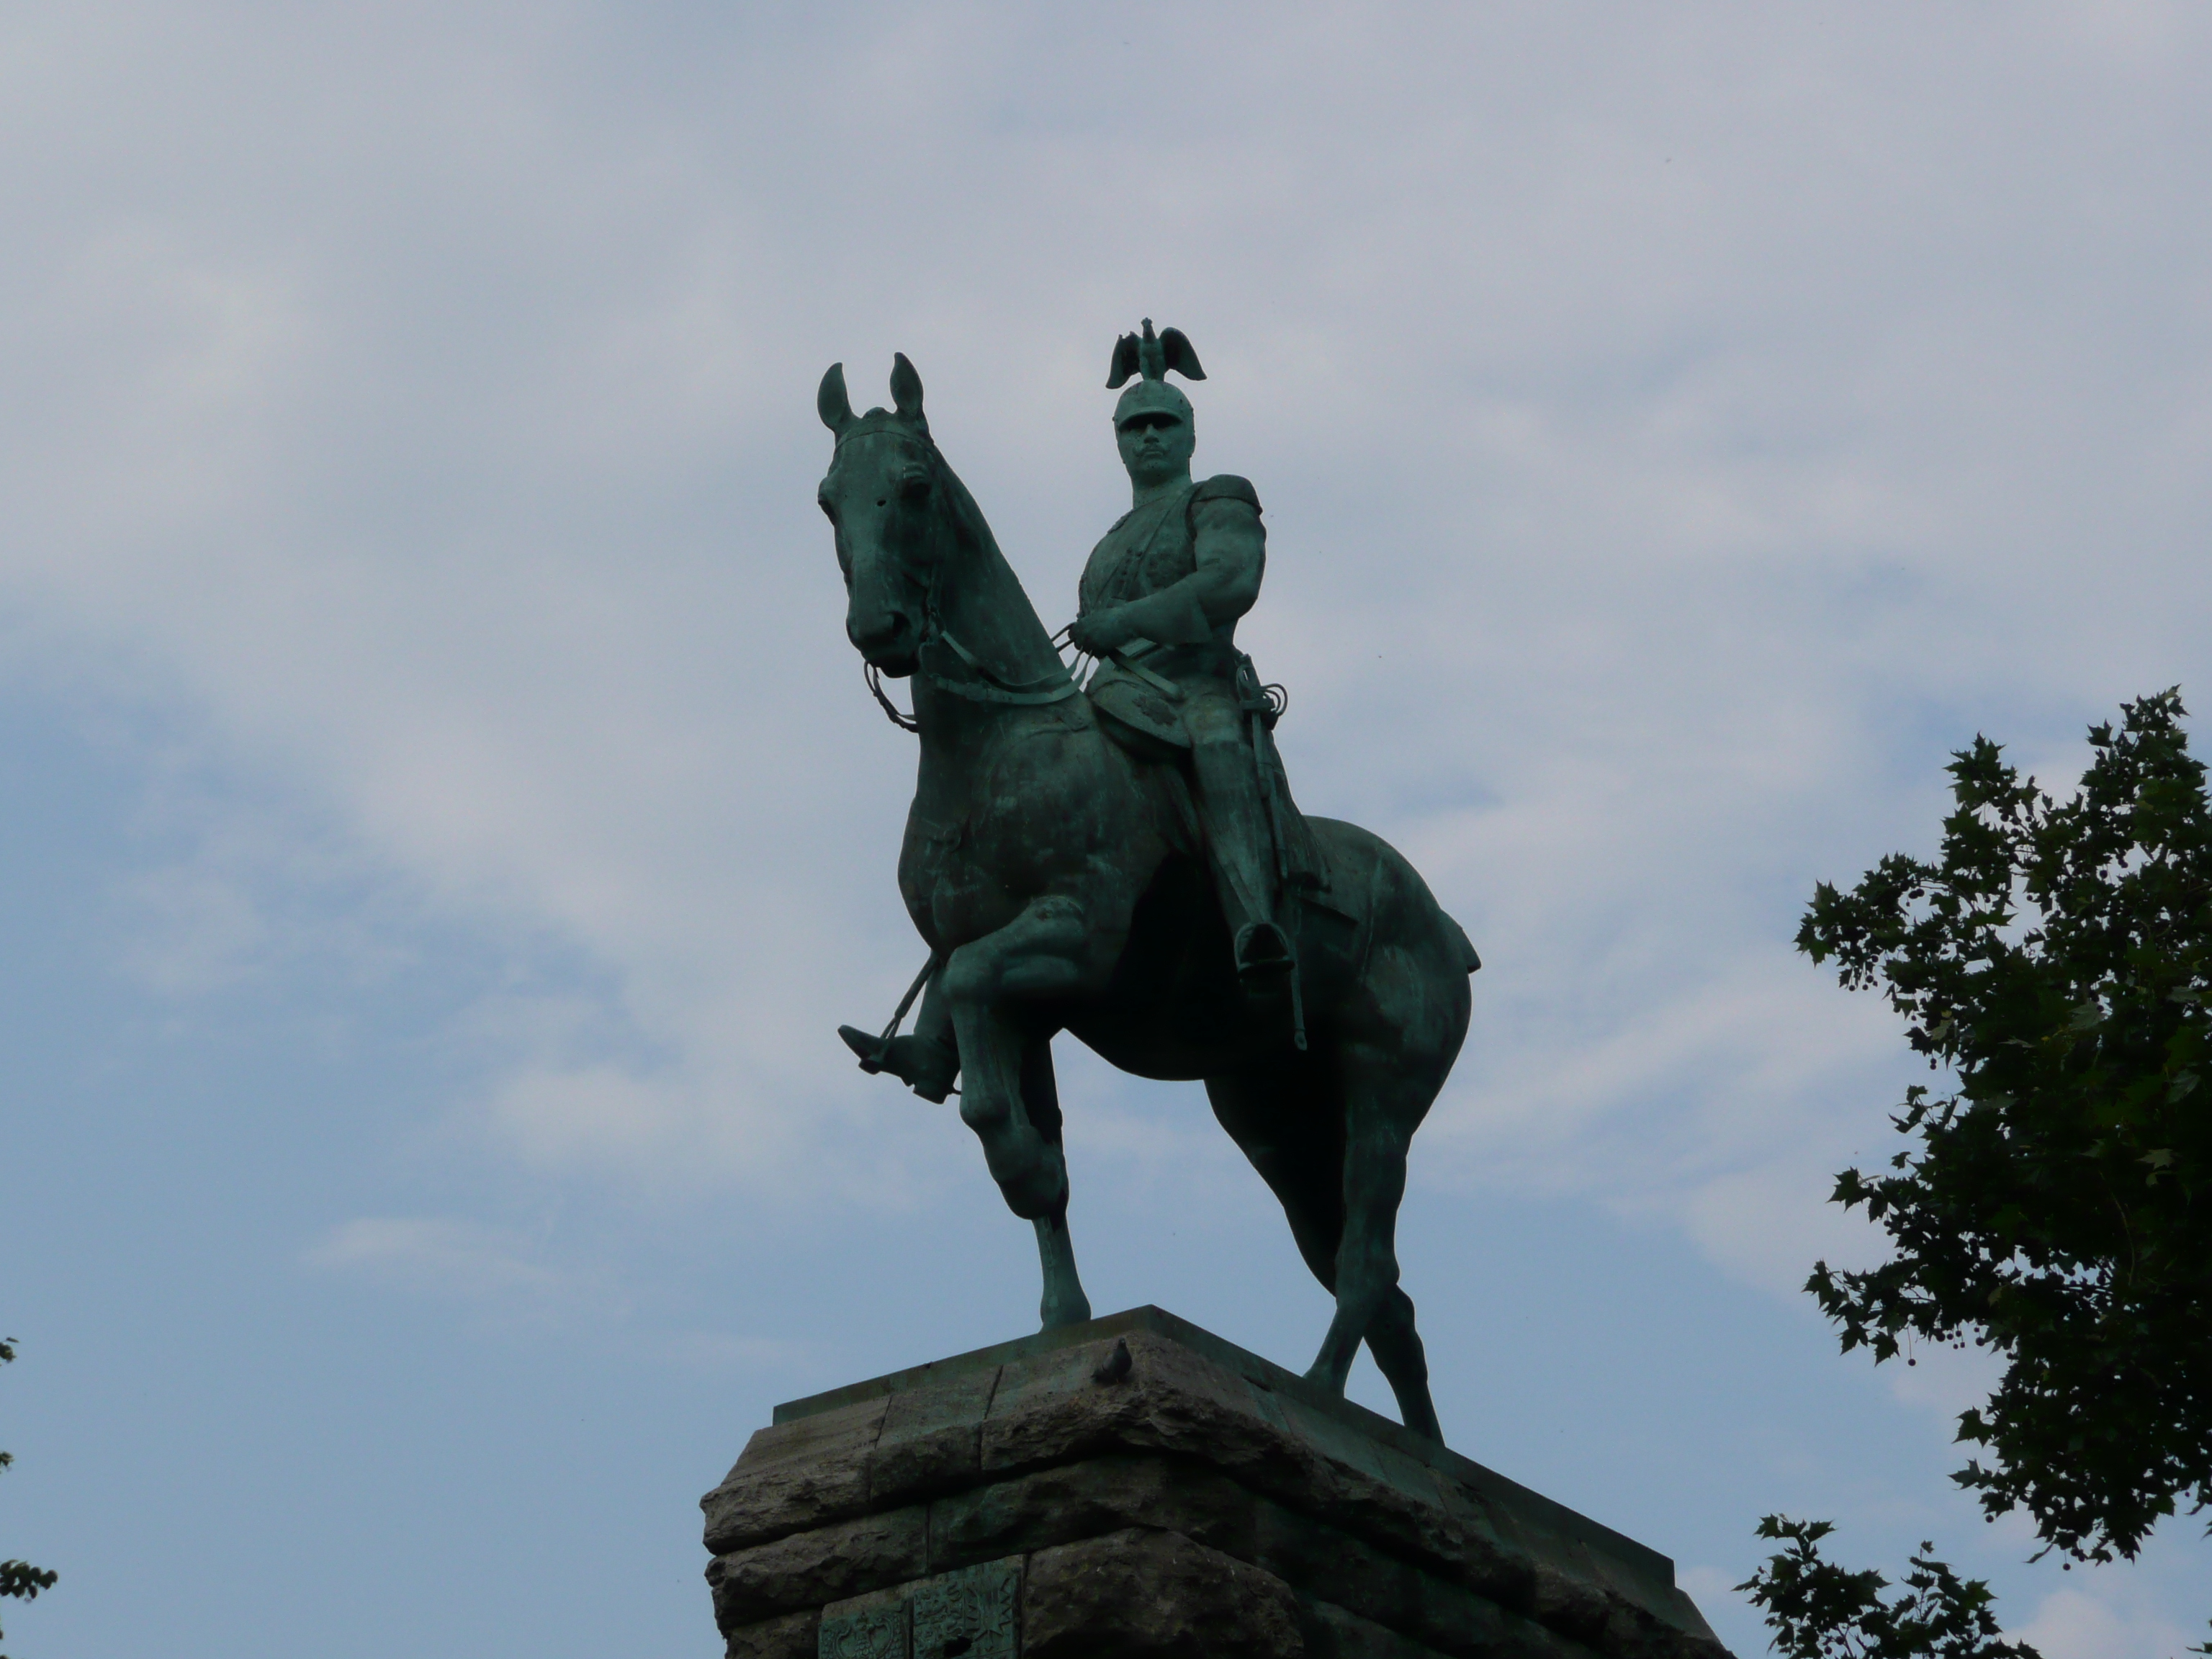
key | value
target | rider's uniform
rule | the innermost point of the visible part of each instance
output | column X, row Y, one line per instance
column 1189, row 564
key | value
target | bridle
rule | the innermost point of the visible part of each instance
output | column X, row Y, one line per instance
column 988, row 685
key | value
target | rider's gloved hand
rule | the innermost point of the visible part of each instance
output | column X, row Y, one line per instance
column 1102, row 630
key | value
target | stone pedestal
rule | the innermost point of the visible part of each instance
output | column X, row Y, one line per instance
column 1135, row 1487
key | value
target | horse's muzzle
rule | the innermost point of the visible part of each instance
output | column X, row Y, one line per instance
column 888, row 640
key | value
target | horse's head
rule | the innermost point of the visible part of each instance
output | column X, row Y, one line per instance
column 886, row 495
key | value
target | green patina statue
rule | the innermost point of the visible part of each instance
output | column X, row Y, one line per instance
column 1159, row 602
column 1116, row 855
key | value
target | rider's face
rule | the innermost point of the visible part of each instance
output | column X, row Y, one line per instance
column 1156, row 447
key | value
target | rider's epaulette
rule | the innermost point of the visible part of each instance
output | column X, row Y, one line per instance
column 1226, row 486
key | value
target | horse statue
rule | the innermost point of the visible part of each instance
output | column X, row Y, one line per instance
column 1056, row 875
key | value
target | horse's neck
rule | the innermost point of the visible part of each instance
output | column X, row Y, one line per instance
column 981, row 605
column 985, row 609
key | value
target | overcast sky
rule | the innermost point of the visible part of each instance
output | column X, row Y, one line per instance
column 445, row 823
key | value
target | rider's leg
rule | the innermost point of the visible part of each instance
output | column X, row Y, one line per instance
column 1232, row 813
column 927, row 1059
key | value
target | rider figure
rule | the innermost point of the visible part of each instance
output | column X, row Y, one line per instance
column 1159, row 605
column 1159, row 601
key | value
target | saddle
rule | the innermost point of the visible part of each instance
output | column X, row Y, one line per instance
column 1138, row 708
column 1141, row 710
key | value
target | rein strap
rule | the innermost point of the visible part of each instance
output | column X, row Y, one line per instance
column 995, row 690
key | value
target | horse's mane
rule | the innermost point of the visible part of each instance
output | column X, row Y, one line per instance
column 968, row 521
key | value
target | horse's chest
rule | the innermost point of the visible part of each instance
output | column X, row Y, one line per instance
column 972, row 877
column 959, row 885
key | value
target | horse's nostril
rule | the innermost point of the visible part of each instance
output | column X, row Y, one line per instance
column 874, row 633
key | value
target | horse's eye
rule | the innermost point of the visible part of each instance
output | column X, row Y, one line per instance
column 914, row 487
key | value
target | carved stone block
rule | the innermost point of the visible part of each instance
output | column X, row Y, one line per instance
column 801, row 1473
column 1137, row 1487
column 811, row 1568
column 931, row 1438
column 790, row 1636
column 1140, row 1594
column 873, row 1626
column 975, row 1612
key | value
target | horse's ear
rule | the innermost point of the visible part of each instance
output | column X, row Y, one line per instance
column 906, row 386
column 831, row 402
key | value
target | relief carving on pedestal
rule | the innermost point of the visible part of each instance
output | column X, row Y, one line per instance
column 969, row 1614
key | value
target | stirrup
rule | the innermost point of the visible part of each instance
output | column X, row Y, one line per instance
column 1263, row 953
column 926, row 1067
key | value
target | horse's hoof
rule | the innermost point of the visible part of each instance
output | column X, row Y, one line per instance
column 1054, row 1316
column 1424, row 1424
column 1322, row 1378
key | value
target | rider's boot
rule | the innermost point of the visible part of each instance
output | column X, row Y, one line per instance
column 924, row 1064
column 1234, row 817
column 927, row 1059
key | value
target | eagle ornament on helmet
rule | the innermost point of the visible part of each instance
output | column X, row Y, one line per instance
column 1150, row 357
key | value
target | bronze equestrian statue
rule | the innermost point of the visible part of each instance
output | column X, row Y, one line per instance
column 1118, row 856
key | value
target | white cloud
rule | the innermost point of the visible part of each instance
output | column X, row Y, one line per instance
column 500, row 1267
column 2070, row 1624
column 1678, row 428
column 1675, row 435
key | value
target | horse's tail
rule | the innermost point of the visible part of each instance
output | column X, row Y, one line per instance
column 1468, row 954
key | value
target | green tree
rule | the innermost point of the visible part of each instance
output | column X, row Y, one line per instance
column 2055, row 1204
column 19, row 1578
column 1819, row 1610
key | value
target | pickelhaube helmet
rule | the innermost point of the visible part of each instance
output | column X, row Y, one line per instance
column 1150, row 358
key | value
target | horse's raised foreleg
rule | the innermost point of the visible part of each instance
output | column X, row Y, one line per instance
column 1007, row 1095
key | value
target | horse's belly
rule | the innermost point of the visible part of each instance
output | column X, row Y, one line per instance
column 1143, row 1048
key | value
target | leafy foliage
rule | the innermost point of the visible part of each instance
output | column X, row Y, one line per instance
column 1819, row 1610
column 19, row 1578
column 2057, row 1206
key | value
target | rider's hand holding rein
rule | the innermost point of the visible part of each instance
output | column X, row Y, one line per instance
column 1105, row 630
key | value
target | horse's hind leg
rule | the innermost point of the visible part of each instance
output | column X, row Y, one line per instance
column 1400, row 1357
column 1288, row 1123
column 1383, row 1106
